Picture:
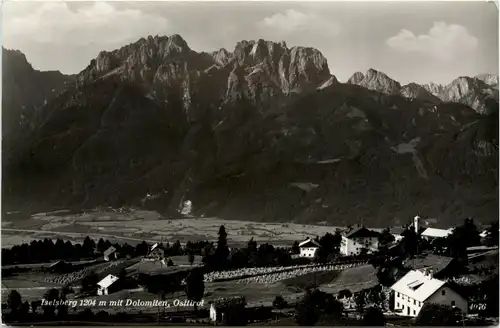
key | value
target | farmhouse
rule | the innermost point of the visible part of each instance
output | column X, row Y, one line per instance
column 357, row 238
column 419, row 287
column 107, row 285
column 433, row 233
column 110, row 254
column 441, row 266
column 309, row 248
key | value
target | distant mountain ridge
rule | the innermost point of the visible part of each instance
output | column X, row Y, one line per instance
column 477, row 92
column 241, row 133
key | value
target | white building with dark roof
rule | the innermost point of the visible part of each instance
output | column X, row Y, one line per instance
column 357, row 238
column 432, row 233
column 106, row 286
column 419, row 287
column 309, row 248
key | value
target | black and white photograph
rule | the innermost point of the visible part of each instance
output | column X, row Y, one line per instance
column 266, row 163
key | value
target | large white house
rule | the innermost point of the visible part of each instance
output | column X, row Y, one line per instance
column 309, row 248
column 419, row 287
column 357, row 238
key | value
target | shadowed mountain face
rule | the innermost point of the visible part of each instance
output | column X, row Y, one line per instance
column 261, row 133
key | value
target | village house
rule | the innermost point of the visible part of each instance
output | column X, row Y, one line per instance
column 358, row 238
column 419, row 287
column 309, row 248
column 156, row 253
column 107, row 285
column 441, row 266
column 433, row 233
column 110, row 254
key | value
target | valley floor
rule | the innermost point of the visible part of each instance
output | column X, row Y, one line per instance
column 134, row 226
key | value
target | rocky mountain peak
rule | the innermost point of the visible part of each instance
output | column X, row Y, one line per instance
column 356, row 78
column 15, row 59
column 489, row 79
column 434, row 88
column 377, row 81
column 221, row 57
column 414, row 90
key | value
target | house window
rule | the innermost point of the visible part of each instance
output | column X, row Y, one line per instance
column 414, row 312
column 443, row 292
column 397, row 294
column 397, row 304
column 452, row 303
column 414, row 302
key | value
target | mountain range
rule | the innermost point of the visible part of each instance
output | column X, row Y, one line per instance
column 264, row 132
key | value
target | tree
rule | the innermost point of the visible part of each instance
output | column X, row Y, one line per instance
column 222, row 250
column 279, row 302
column 191, row 257
column 195, row 286
column 14, row 301
column 62, row 309
column 306, row 314
column 89, row 283
column 436, row 315
column 88, row 246
column 234, row 312
column 344, row 293
column 409, row 241
column 25, row 309
column 373, row 317
column 318, row 305
column 142, row 249
column 295, row 247
column 122, row 275
column 359, row 298
column 385, row 237
column 101, row 247
column 329, row 244
column 51, row 296
column 35, row 305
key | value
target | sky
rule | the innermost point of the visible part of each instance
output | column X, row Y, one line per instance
column 418, row 42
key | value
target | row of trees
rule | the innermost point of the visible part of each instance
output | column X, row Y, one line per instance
column 221, row 258
column 19, row 309
column 41, row 251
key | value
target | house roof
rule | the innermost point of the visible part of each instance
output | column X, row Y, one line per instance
column 309, row 241
column 109, row 251
column 359, row 231
column 437, row 233
column 436, row 263
column 417, row 285
column 108, row 281
column 484, row 234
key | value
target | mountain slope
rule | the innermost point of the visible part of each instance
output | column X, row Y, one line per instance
column 262, row 133
column 479, row 93
column 25, row 88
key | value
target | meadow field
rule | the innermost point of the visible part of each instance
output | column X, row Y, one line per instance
column 133, row 226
